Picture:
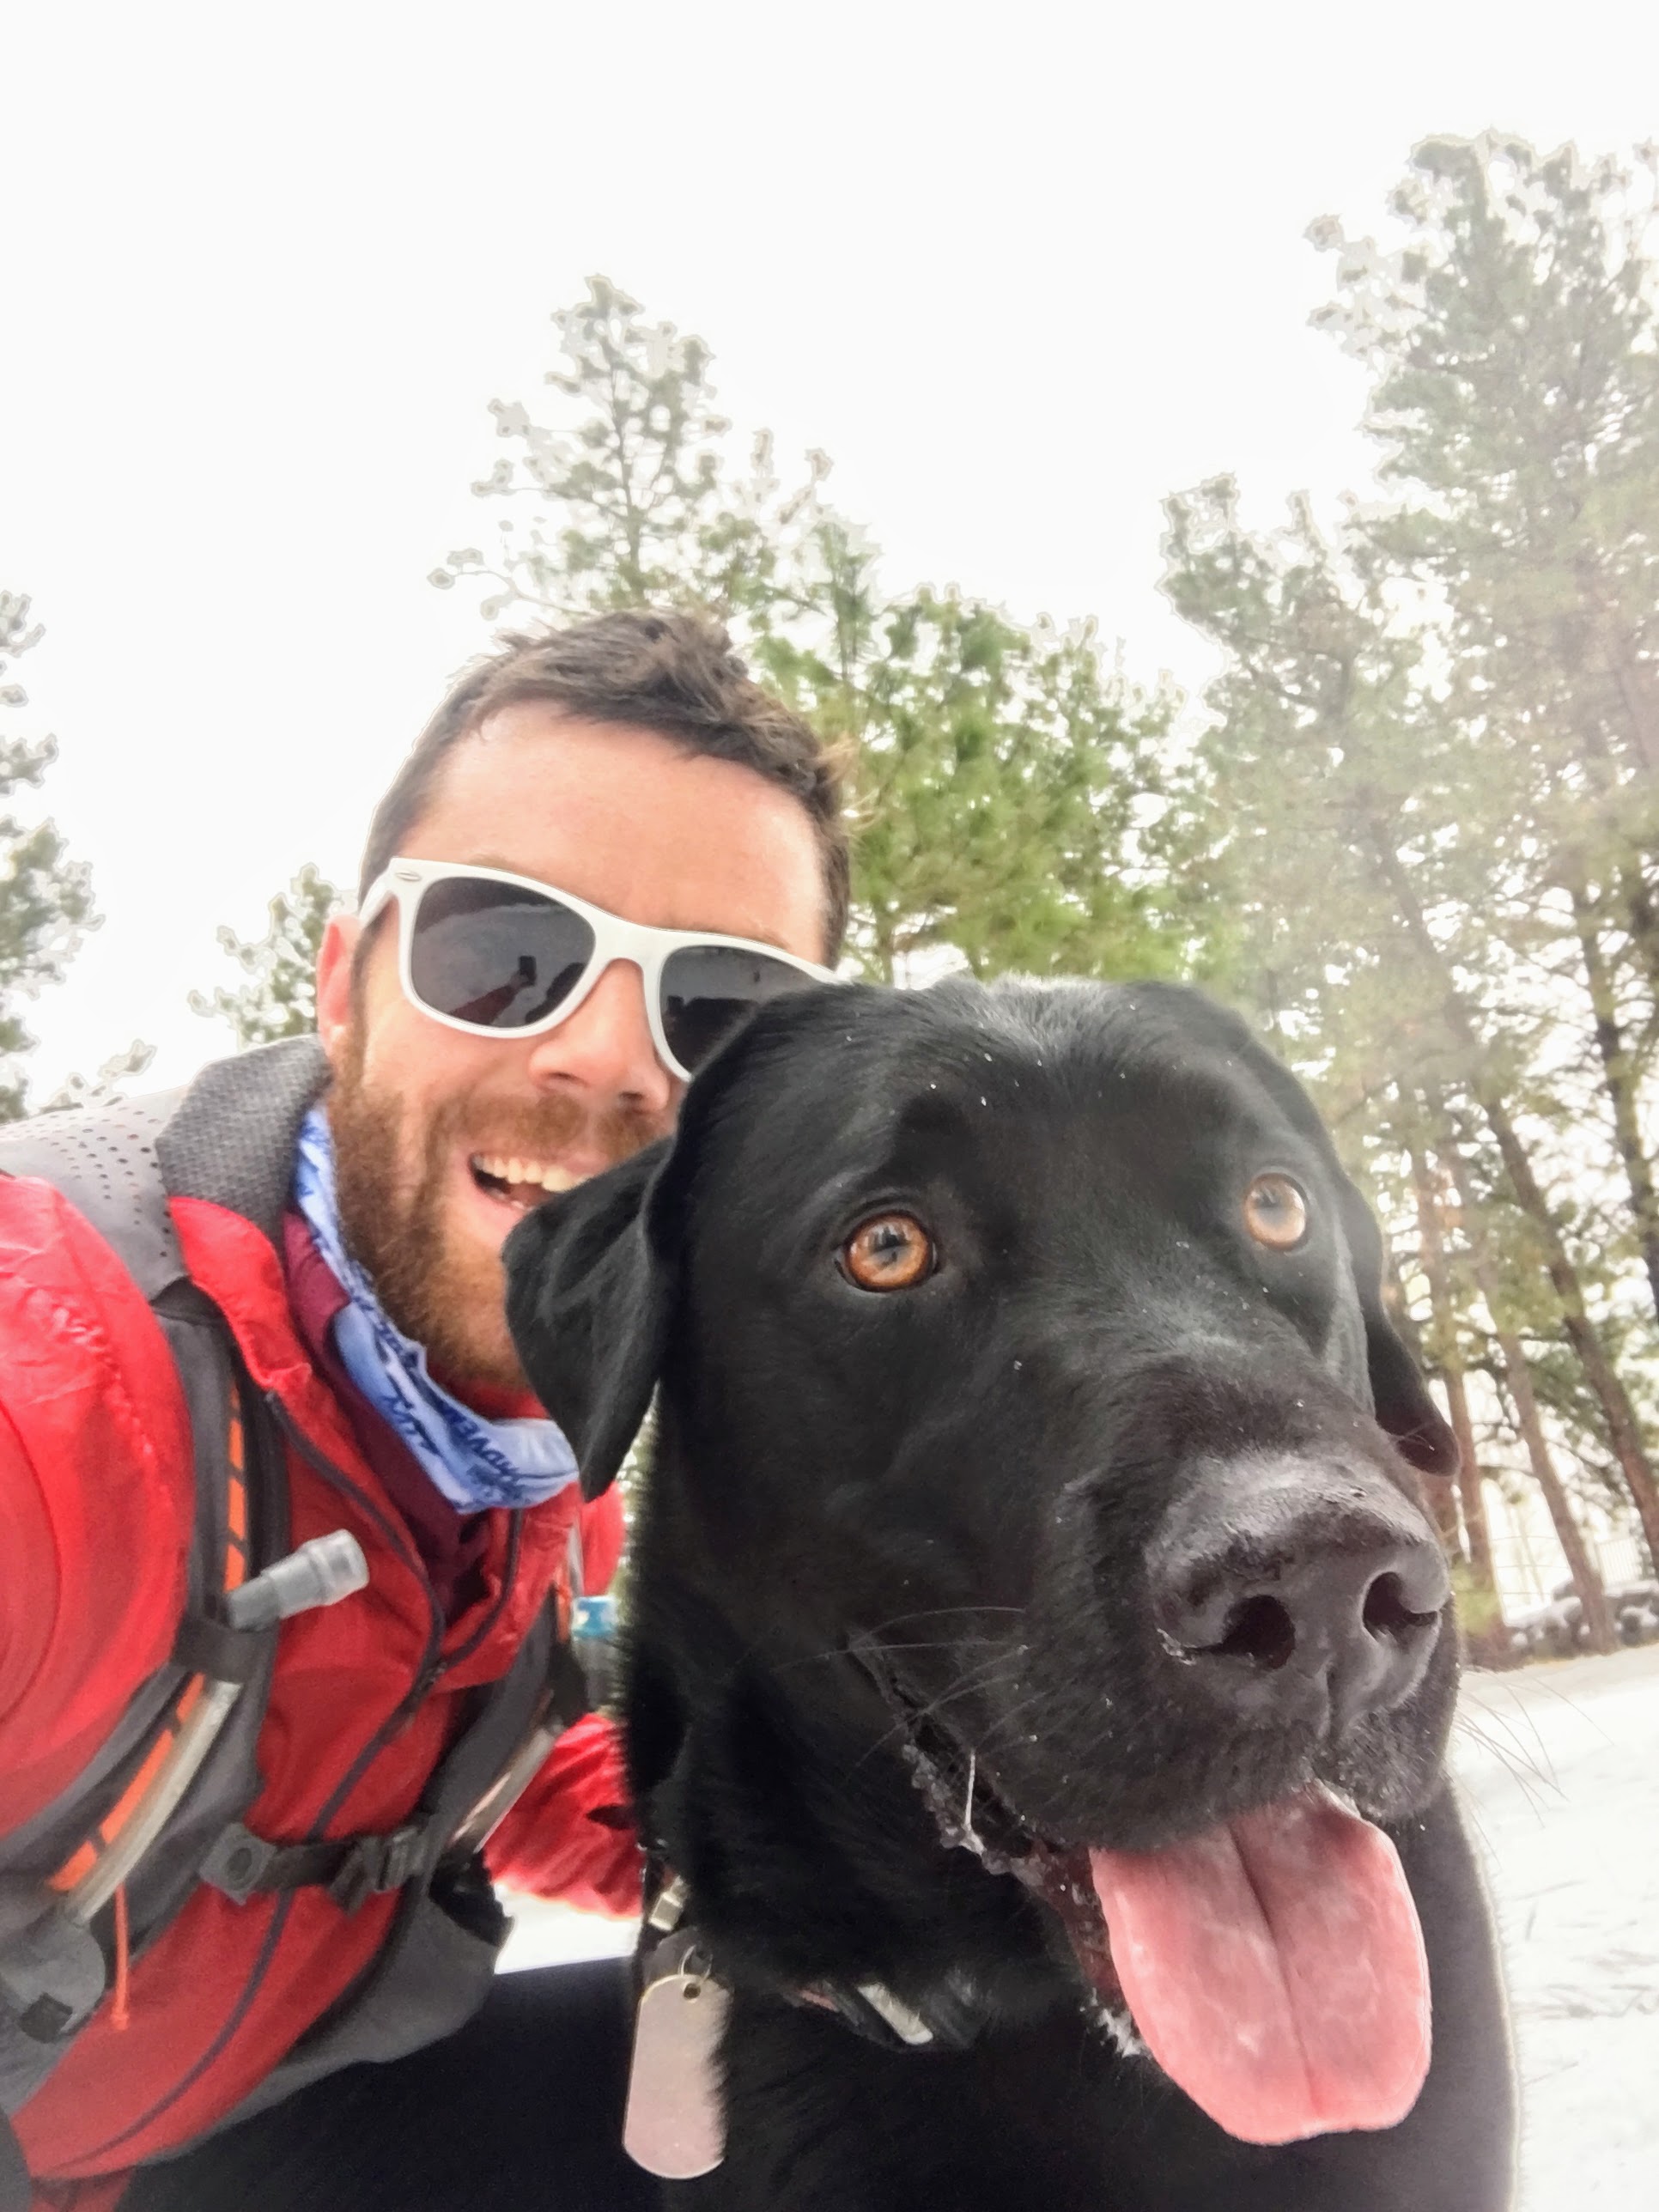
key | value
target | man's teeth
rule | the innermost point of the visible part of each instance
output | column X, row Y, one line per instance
column 503, row 1169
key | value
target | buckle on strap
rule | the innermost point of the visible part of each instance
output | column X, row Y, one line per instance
column 52, row 1976
column 951, row 2020
column 870, row 2009
column 375, row 1864
column 238, row 1863
column 351, row 1868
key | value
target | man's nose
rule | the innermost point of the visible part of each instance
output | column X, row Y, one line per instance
column 606, row 1049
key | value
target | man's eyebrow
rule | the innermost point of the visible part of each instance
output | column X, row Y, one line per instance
column 752, row 933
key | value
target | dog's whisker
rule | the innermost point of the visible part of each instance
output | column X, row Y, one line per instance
column 1495, row 1729
column 840, row 1651
column 1004, row 1721
column 971, row 1680
column 873, row 1643
column 937, row 1613
column 966, row 1683
column 1523, row 1771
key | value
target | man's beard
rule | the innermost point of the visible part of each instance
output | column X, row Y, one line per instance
column 446, row 1291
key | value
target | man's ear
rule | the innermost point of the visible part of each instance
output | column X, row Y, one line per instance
column 587, row 1303
column 334, row 958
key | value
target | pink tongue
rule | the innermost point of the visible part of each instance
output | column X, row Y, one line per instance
column 1275, row 1969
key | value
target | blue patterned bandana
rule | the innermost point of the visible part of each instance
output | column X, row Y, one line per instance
column 474, row 1462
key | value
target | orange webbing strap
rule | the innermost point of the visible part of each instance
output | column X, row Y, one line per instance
column 120, row 2015
column 87, row 1854
column 235, row 1564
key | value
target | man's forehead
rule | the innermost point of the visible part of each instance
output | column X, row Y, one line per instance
column 630, row 821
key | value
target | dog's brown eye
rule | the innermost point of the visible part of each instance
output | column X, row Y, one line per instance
column 889, row 1253
column 1275, row 1212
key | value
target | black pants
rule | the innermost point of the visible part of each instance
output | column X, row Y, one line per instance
column 522, row 2109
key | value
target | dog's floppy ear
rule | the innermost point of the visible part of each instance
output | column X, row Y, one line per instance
column 1400, row 1396
column 587, row 1301
column 593, row 1276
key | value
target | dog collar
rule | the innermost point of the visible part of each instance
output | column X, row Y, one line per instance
column 673, row 2125
column 870, row 2009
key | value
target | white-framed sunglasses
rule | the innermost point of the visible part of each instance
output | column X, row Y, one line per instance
column 504, row 955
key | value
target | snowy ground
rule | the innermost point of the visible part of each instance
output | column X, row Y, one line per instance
column 1560, row 1771
column 548, row 1934
column 1560, row 1768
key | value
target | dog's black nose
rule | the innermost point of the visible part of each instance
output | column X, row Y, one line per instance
column 1290, row 1588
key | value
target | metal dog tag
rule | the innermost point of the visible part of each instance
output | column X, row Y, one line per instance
column 674, row 2126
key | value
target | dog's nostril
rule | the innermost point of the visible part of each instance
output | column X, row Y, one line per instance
column 1262, row 1630
column 1386, row 1612
column 1304, row 1604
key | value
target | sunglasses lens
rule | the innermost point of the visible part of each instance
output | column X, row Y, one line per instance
column 707, row 990
column 497, row 955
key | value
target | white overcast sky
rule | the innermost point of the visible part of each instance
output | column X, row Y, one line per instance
column 1021, row 269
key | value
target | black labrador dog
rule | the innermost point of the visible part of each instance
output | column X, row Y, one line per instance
column 1041, row 1658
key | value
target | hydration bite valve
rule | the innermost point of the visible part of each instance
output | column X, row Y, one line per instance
column 320, row 1572
column 593, row 1639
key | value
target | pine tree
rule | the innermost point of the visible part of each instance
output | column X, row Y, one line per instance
column 279, row 999
column 998, row 772
column 1513, row 342
column 1335, row 812
column 45, row 897
column 108, row 1084
column 632, row 500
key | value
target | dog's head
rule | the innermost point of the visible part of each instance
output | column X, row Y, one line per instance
column 1028, row 1344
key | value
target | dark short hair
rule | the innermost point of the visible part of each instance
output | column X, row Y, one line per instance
column 676, row 673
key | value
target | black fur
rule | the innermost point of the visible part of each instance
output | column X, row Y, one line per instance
column 971, row 1475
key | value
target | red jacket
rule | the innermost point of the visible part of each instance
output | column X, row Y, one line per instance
column 96, row 1492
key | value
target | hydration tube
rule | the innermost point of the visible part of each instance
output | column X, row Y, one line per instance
column 320, row 1572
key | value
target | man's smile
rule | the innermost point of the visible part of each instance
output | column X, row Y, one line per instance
column 506, row 1185
column 519, row 1181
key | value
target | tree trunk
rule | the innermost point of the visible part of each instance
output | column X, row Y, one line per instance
column 1620, row 1080
column 1441, row 1497
column 1641, row 921
column 1614, row 1399
column 1432, row 1255
column 1586, row 1582
column 1641, row 711
column 1598, row 1618
column 1610, row 1393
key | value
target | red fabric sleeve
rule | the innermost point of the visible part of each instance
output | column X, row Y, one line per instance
column 96, row 1494
column 570, row 1835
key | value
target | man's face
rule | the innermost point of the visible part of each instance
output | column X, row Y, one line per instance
column 619, row 817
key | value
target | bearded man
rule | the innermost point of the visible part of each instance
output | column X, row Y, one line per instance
column 262, row 1325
